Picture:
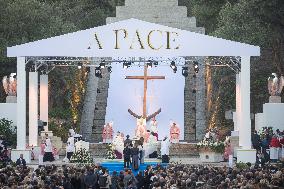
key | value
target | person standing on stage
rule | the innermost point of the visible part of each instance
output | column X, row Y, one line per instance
column 135, row 157
column 48, row 156
column 70, row 148
column 141, row 153
column 127, row 156
column 165, row 150
column 128, row 141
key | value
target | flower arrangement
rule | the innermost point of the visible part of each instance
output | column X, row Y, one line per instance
column 82, row 156
column 217, row 146
column 111, row 151
column 242, row 165
column 265, row 131
column 211, row 142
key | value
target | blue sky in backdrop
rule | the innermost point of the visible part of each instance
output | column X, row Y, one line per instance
column 166, row 94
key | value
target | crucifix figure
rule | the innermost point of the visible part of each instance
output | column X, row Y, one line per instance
column 145, row 78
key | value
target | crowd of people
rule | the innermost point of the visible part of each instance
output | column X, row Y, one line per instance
column 157, row 177
column 4, row 152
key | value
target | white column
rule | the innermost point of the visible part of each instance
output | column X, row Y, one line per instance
column 21, row 104
column 244, row 121
column 236, row 115
column 33, row 108
column 44, row 99
column 245, row 153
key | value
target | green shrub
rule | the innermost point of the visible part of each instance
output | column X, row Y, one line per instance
column 9, row 132
column 242, row 165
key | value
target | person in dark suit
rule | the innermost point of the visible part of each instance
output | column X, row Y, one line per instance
column 256, row 141
column 128, row 141
column 127, row 156
column 21, row 161
column 135, row 157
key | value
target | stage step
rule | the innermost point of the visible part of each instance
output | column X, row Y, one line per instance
column 118, row 165
column 181, row 149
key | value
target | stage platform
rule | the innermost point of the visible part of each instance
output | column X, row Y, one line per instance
column 117, row 165
column 180, row 150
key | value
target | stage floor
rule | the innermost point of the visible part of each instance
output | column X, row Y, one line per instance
column 183, row 160
column 118, row 165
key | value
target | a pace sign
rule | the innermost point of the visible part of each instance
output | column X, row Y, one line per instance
column 135, row 39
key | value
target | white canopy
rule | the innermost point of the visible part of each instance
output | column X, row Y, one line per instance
column 133, row 38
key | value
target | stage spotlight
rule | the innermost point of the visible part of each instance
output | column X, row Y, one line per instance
column 194, row 91
column 173, row 65
column 196, row 67
column 109, row 69
column 126, row 64
column 185, row 71
column 14, row 75
column 102, row 64
column 98, row 72
column 149, row 65
column 88, row 69
column 156, row 63
column 79, row 65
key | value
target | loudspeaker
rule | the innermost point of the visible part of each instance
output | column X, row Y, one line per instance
column 165, row 159
column 153, row 155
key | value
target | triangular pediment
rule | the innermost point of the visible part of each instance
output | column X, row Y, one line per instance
column 133, row 38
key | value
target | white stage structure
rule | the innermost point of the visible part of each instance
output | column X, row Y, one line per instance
column 136, row 38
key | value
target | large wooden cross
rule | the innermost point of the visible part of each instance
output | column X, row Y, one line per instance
column 145, row 78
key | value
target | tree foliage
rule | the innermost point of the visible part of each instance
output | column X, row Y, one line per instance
column 257, row 22
column 8, row 131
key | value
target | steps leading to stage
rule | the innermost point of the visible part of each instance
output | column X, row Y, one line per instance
column 176, row 150
column 118, row 165
column 184, row 150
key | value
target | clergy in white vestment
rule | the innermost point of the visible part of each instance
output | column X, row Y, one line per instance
column 48, row 156
column 154, row 127
column 72, row 132
column 152, row 139
column 165, row 150
column 70, row 148
column 165, row 146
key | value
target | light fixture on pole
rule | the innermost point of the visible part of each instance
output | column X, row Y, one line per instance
column 79, row 65
column 149, row 65
column 184, row 71
column 102, row 64
column 98, row 72
column 88, row 69
column 109, row 69
column 173, row 66
column 156, row 63
column 196, row 67
column 126, row 64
